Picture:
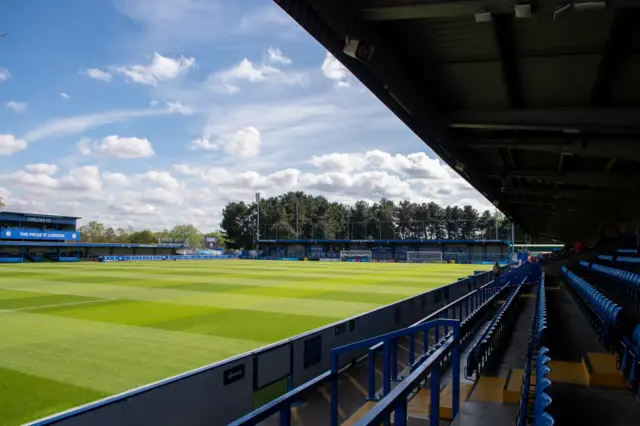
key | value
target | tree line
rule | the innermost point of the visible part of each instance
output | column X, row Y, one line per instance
column 304, row 216
column 96, row 232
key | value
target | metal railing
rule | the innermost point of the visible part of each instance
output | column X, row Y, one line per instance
column 397, row 400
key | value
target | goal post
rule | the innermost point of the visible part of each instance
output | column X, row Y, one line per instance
column 424, row 257
column 355, row 255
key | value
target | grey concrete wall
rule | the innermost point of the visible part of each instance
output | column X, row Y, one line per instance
column 222, row 392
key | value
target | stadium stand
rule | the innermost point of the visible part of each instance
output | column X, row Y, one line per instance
column 601, row 311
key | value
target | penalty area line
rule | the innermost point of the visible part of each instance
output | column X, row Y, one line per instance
column 30, row 308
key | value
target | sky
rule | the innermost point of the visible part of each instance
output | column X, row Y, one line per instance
column 151, row 113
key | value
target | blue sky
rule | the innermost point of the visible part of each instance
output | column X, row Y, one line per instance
column 157, row 112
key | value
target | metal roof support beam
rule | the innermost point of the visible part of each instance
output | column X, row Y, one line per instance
column 617, row 44
column 589, row 179
column 609, row 120
column 433, row 9
column 572, row 194
column 596, row 148
column 508, row 58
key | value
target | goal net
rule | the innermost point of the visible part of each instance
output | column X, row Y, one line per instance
column 355, row 255
column 424, row 257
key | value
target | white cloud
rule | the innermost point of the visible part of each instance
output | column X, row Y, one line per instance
column 98, row 74
column 162, row 179
column 10, row 145
column 153, row 102
column 38, row 179
column 245, row 70
column 65, row 95
column 177, row 107
column 226, row 81
column 157, row 196
column 41, row 168
column 17, row 106
column 4, row 74
column 115, row 179
column 276, row 56
column 77, row 124
column 417, row 165
column 244, row 143
column 160, row 69
column 335, row 71
column 117, row 147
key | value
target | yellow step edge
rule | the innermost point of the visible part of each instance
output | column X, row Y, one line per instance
column 602, row 371
column 418, row 407
column 488, row 389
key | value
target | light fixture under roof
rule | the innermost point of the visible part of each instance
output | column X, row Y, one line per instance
column 483, row 17
column 523, row 10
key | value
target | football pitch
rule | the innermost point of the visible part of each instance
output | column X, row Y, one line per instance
column 74, row 333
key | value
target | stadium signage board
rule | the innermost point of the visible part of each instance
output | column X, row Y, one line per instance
column 233, row 374
column 32, row 234
column 39, row 219
column 211, row 242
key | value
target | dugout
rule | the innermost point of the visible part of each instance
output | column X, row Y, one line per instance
column 458, row 251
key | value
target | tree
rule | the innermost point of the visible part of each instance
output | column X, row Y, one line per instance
column 2, row 204
column 238, row 223
column 187, row 233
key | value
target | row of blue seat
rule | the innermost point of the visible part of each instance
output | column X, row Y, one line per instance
column 630, row 364
column 542, row 399
column 626, row 262
column 625, row 283
column 490, row 337
column 536, row 337
column 601, row 311
column 10, row 260
column 627, row 251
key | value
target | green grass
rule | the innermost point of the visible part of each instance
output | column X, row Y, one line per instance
column 73, row 333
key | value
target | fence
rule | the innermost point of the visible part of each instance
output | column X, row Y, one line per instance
column 169, row 257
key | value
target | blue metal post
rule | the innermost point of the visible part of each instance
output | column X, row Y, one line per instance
column 455, row 366
column 466, row 307
column 434, row 409
column 446, row 316
column 334, row 390
column 386, row 376
column 412, row 349
column 425, row 343
column 400, row 416
column 285, row 416
column 394, row 359
column 372, row 375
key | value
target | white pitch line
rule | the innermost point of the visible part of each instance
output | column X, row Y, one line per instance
column 33, row 290
column 56, row 305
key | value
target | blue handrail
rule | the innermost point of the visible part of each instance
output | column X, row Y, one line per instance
column 387, row 341
column 397, row 399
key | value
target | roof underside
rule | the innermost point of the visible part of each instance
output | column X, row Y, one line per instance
column 539, row 112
